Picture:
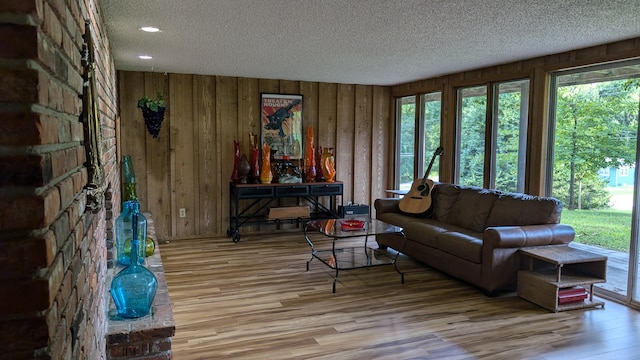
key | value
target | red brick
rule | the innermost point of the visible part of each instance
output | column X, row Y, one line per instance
column 71, row 103
column 66, row 191
column 77, row 131
column 161, row 345
column 23, row 334
column 46, row 52
column 19, row 85
column 81, row 158
column 51, row 25
column 19, row 7
column 34, row 296
column 31, row 212
column 60, row 9
column 19, row 41
column 55, row 96
column 27, row 129
column 23, row 257
column 58, row 163
column 59, row 341
column 64, row 292
column 78, row 185
column 27, row 170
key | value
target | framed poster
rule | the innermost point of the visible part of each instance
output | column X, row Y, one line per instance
column 282, row 124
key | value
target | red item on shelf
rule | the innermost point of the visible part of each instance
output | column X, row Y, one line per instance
column 351, row 224
column 571, row 295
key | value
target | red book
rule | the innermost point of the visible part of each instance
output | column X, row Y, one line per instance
column 571, row 291
column 572, row 298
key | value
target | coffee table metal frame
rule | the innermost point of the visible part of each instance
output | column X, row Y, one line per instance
column 352, row 257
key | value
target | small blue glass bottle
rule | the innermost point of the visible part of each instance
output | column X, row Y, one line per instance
column 124, row 232
column 134, row 288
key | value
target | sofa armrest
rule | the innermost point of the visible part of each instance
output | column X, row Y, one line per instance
column 525, row 236
column 387, row 205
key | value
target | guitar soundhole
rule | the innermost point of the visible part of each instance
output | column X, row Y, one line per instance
column 421, row 187
column 425, row 192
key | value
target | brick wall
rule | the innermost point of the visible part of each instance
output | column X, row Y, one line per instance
column 52, row 251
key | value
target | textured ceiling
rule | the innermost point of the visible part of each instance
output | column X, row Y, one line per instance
column 380, row 42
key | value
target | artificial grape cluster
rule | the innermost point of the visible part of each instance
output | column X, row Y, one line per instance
column 153, row 119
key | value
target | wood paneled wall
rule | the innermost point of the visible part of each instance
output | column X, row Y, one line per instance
column 190, row 163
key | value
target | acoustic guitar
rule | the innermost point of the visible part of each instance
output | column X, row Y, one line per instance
column 418, row 200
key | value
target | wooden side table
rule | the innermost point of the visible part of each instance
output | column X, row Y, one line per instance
column 552, row 268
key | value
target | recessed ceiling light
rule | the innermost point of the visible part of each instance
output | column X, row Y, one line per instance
column 149, row 29
column 145, row 57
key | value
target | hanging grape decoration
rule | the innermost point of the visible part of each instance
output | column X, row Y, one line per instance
column 153, row 119
column 153, row 113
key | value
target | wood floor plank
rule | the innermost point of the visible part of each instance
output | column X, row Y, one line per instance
column 255, row 300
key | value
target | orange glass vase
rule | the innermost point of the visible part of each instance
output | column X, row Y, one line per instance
column 328, row 165
column 265, row 172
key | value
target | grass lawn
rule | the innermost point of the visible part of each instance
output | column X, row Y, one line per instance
column 606, row 228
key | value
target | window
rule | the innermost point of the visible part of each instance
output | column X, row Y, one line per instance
column 472, row 112
column 624, row 170
column 418, row 128
column 432, row 118
column 593, row 151
column 511, row 102
column 406, row 113
column 503, row 166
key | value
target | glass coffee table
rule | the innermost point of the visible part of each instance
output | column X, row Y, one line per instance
column 351, row 257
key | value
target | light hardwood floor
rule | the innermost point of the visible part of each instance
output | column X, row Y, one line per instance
column 254, row 300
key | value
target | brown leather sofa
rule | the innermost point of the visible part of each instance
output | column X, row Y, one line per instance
column 474, row 234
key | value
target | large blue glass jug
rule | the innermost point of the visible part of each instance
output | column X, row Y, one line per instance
column 124, row 233
column 134, row 288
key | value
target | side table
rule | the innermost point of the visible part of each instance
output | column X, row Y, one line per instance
column 552, row 268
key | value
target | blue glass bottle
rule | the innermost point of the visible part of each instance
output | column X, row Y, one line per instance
column 134, row 288
column 124, row 232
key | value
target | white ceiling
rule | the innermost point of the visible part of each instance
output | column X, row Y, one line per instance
column 381, row 42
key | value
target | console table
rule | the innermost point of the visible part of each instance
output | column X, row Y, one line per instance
column 261, row 196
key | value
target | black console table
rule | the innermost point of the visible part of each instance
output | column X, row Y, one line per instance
column 263, row 195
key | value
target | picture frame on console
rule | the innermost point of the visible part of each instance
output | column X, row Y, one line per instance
column 281, row 120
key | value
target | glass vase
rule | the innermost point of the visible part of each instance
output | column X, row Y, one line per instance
column 128, row 180
column 134, row 288
column 310, row 158
column 265, row 171
column 125, row 224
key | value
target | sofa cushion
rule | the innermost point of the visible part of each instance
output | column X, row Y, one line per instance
column 472, row 208
column 466, row 245
column 521, row 209
column 425, row 231
column 444, row 197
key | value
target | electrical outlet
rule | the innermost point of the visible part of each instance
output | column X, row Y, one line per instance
column 183, row 212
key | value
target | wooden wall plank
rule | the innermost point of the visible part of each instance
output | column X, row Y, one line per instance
column 309, row 91
column 204, row 110
column 327, row 115
column 344, row 145
column 227, row 118
column 182, row 125
column 249, row 121
column 157, row 162
column 361, row 145
column 381, row 150
column 133, row 131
